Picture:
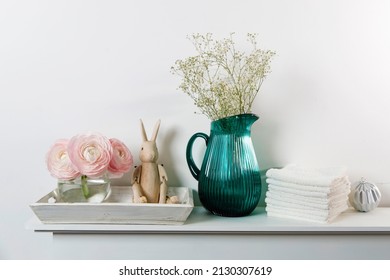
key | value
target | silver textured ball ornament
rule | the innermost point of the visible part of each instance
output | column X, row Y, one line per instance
column 365, row 196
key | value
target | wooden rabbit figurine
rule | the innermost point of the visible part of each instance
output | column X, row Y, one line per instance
column 150, row 178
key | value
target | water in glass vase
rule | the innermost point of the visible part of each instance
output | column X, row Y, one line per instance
column 95, row 190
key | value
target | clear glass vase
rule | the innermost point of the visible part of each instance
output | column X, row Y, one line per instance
column 229, row 181
column 84, row 189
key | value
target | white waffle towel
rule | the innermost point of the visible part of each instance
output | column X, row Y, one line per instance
column 319, row 177
column 321, row 216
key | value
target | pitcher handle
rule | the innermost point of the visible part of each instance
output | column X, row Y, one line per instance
column 195, row 171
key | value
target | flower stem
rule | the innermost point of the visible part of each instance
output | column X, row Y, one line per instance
column 84, row 186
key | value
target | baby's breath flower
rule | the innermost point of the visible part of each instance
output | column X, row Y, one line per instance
column 221, row 80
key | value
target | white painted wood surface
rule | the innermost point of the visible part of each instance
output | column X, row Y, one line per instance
column 117, row 209
column 353, row 235
column 258, row 223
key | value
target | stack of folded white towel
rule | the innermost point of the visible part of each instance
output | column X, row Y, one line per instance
column 316, row 195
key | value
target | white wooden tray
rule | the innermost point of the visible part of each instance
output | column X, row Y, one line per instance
column 118, row 208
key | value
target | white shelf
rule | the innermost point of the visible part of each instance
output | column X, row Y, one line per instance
column 258, row 223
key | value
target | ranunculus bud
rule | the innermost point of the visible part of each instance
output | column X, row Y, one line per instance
column 90, row 153
column 58, row 162
column 121, row 160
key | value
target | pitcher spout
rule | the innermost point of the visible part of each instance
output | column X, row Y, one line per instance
column 250, row 118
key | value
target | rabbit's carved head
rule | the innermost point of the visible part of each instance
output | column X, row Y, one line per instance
column 149, row 151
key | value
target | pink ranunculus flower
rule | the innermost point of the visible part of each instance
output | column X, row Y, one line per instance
column 90, row 153
column 121, row 160
column 58, row 162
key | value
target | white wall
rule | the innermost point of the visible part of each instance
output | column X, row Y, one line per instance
column 71, row 66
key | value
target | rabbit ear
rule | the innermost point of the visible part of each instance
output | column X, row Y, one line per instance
column 143, row 132
column 155, row 131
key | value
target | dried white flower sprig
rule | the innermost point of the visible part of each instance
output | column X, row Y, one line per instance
column 221, row 80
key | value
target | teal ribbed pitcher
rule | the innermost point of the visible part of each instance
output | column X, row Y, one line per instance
column 229, row 182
